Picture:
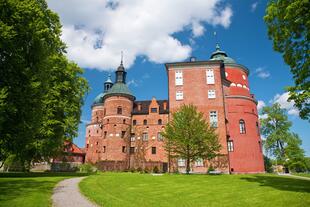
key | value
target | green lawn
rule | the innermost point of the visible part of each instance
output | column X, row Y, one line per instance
column 133, row 189
column 29, row 189
column 302, row 174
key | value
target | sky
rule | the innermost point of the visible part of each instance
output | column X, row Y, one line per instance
column 153, row 32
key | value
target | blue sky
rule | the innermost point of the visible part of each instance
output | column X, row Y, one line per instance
column 243, row 36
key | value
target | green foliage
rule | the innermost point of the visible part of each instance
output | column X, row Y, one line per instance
column 190, row 137
column 87, row 168
column 211, row 168
column 268, row 164
column 288, row 25
column 40, row 91
column 155, row 169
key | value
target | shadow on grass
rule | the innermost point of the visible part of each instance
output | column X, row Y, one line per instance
column 42, row 174
column 281, row 183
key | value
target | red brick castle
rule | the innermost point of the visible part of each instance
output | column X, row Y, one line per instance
column 125, row 133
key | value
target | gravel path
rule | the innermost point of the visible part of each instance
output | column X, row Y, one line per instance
column 67, row 194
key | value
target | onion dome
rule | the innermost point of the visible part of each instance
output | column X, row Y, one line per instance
column 98, row 99
column 221, row 55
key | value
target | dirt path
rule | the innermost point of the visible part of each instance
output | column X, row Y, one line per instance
column 67, row 194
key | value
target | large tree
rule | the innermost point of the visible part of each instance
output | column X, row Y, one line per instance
column 189, row 136
column 41, row 92
column 288, row 23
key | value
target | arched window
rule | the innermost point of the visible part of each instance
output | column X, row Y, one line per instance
column 242, row 126
column 124, row 121
column 160, row 122
column 144, row 122
column 134, row 122
column 119, row 110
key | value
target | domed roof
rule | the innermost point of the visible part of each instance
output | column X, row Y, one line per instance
column 109, row 79
column 119, row 89
column 98, row 99
column 221, row 55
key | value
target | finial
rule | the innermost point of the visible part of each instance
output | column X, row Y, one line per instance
column 217, row 47
column 121, row 57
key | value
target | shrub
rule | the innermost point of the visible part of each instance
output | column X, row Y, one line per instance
column 139, row 169
column 210, row 169
column 87, row 168
column 155, row 169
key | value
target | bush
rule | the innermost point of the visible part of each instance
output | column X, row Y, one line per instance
column 139, row 169
column 87, row 168
column 210, row 169
column 155, row 169
column 132, row 170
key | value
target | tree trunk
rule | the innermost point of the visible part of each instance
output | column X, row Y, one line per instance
column 188, row 162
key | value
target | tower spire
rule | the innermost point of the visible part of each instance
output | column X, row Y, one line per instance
column 122, row 56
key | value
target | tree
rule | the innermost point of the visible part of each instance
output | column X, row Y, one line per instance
column 41, row 92
column 190, row 137
column 288, row 25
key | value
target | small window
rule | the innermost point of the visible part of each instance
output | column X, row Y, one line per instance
column 145, row 136
column 153, row 150
column 87, row 145
column 105, row 134
column 134, row 122
column 159, row 136
column 144, row 122
column 230, row 146
column 153, row 110
column 108, row 120
column 257, row 128
column 88, row 131
column 97, row 131
column 132, row 150
column 104, row 147
column 211, row 93
column 119, row 110
column 179, row 95
column 260, row 146
column 181, row 162
column 124, row 149
column 160, row 122
column 213, row 118
column 104, row 112
column 97, row 143
column 124, row 121
column 199, row 162
column 123, row 134
column 242, row 126
column 132, row 138
column 210, row 76
column 178, row 78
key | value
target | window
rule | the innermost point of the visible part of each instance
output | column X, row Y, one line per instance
column 105, row 134
column 124, row 121
column 132, row 150
column 123, row 134
column 97, row 143
column 230, row 145
column 153, row 150
column 108, row 120
column 257, row 128
column 179, row 95
column 153, row 110
column 134, row 122
column 211, row 93
column 199, row 162
column 159, row 137
column 181, row 162
column 104, row 149
column 210, row 76
column 242, row 126
column 104, row 112
column 87, row 145
column 178, row 78
column 132, row 138
column 119, row 110
column 260, row 146
column 123, row 149
column 160, row 122
column 144, row 122
column 213, row 118
column 145, row 136
column 97, row 131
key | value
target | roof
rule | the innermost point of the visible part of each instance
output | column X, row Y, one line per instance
column 98, row 99
column 119, row 88
column 221, row 55
column 72, row 148
column 145, row 107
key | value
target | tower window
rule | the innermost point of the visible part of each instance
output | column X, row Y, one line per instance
column 179, row 95
column 159, row 137
column 153, row 150
column 178, row 78
column 260, row 146
column 123, row 134
column 119, row 110
column 211, row 93
column 145, row 136
column 257, row 128
column 123, row 149
column 242, row 126
column 108, row 120
column 160, row 122
column 134, row 122
column 213, row 118
column 210, row 76
column 105, row 134
column 104, row 148
column 124, row 121
column 144, row 122
column 230, row 146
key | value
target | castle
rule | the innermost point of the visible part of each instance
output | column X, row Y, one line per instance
column 125, row 133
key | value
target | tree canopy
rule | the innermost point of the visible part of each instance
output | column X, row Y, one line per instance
column 288, row 25
column 41, row 92
column 189, row 136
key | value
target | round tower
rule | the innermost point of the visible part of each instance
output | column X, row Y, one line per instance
column 243, row 137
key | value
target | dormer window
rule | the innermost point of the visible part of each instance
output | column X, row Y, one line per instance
column 153, row 110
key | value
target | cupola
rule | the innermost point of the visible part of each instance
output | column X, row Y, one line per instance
column 221, row 55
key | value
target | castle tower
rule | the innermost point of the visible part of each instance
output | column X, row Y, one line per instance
column 243, row 137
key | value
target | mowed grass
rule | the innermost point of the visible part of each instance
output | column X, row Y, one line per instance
column 29, row 189
column 145, row 190
column 302, row 174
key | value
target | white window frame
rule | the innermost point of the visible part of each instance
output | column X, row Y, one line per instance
column 133, row 138
column 199, row 162
column 230, row 146
column 181, row 162
column 179, row 95
column 210, row 76
column 211, row 93
column 145, row 136
column 213, row 118
column 178, row 78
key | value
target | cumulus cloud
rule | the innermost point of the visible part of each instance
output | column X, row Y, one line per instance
column 132, row 82
column 261, row 72
column 260, row 105
column 284, row 104
column 254, row 6
column 96, row 31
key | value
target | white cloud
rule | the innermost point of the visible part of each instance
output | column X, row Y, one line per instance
column 261, row 72
column 284, row 104
column 260, row 105
column 96, row 31
column 133, row 83
column 254, row 6
column 262, row 116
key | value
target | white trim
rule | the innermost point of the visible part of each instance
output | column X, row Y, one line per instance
column 117, row 116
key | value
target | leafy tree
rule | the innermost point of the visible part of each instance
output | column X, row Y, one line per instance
column 268, row 164
column 190, row 137
column 288, row 25
column 40, row 91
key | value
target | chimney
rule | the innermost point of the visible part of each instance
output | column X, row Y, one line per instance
column 165, row 105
